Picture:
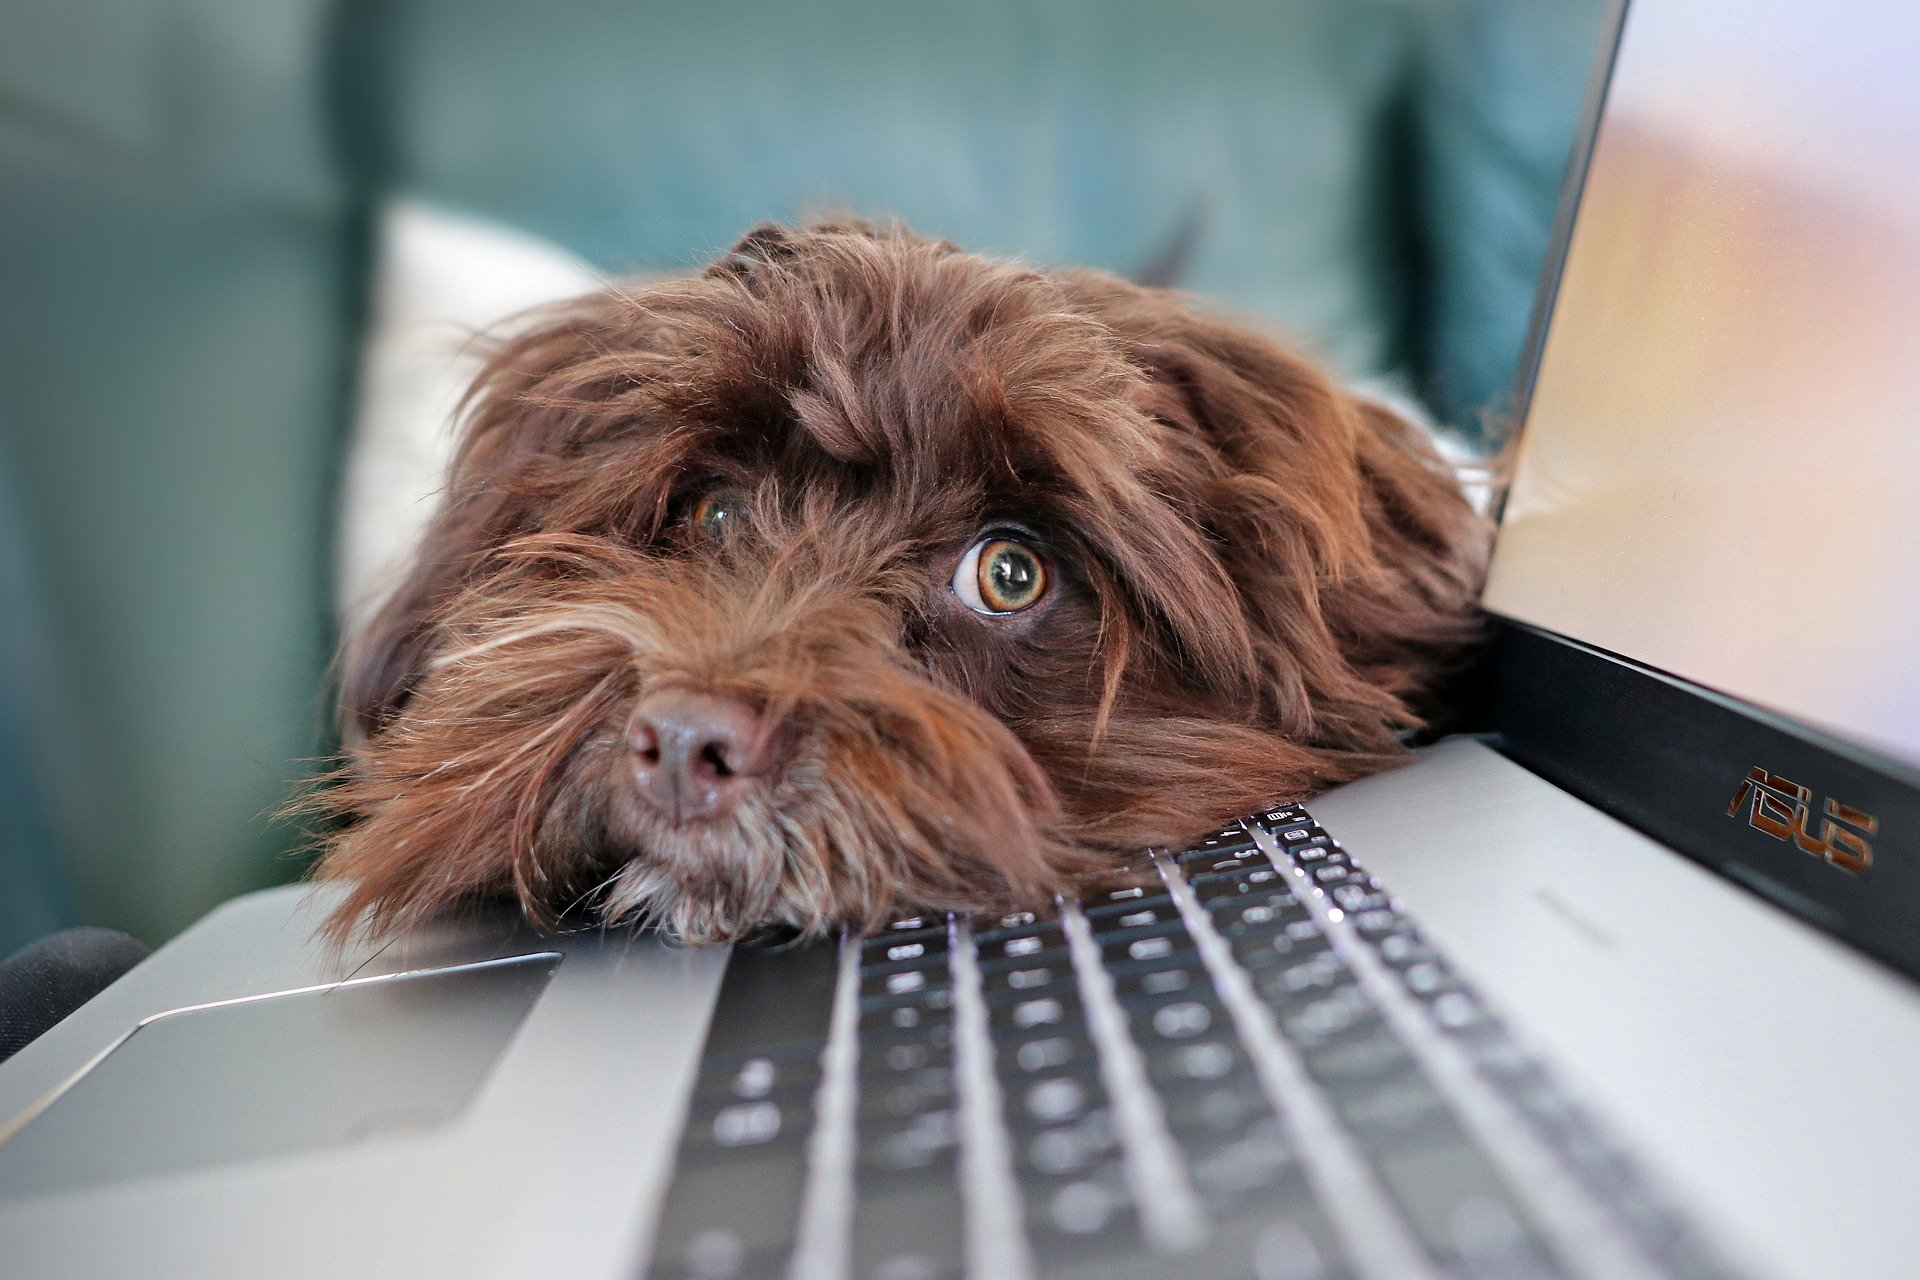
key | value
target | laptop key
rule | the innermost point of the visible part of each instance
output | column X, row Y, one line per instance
column 1022, row 944
column 1261, row 881
column 1039, row 1013
column 1458, row 1210
column 1081, row 1218
column 1199, row 1112
column 1227, row 1170
column 1142, row 916
column 1049, row 1049
column 1215, row 863
column 1098, row 904
column 1068, row 1149
column 1148, row 984
column 733, row 1207
column 1102, row 907
column 989, row 929
column 1288, row 1239
column 1147, row 945
column 729, row 1219
column 1196, row 1062
column 916, row 1232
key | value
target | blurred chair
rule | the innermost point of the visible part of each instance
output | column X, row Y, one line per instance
column 35, row 898
column 187, row 188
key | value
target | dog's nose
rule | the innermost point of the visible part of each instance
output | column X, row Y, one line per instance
column 696, row 754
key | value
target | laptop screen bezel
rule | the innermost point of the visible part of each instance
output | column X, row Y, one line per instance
column 1711, row 776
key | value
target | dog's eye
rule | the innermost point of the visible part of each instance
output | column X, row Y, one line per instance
column 1000, row 575
column 720, row 512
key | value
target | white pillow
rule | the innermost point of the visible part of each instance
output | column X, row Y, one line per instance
column 440, row 279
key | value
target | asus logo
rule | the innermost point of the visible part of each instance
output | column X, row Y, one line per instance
column 1784, row 810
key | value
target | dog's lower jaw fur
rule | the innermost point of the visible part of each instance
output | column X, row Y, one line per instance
column 702, row 631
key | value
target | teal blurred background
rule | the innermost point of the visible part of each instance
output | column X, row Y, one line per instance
column 188, row 191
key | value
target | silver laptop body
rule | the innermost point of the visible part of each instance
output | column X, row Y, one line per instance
column 1674, row 889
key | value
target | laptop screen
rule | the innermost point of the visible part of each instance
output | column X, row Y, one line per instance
column 1719, row 475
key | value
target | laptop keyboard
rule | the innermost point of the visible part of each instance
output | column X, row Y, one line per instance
column 1239, row 1060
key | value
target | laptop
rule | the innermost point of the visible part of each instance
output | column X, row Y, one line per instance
column 1621, row 987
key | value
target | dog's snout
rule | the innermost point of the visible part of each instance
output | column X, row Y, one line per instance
column 696, row 754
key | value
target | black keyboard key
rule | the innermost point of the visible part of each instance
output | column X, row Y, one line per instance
column 1178, row 977
column 1364, row 894
column 1151, row 946
column 1301, row 974
column 1224, row 1107
column 1194, row 1062
column 734, row 1203
column 721, row 1132
column 1123, row 898
column 731, row 1219
column 888, row 948
column 1398, row 1110
column 1058, row 1098
column 1256, row 1165
column 922, row 1141
column 1068, row 1150
column 1100, row 915
column 901, row 980
column 1313, row 1016
column 1284, row 1237
column 773, row 997
column 1269, row 911
column 909, row 926
column 1258, row 883
column 1014, row 979
column 757, row 1077
column 928, row 997
column 1224, row 848
column 1049, row 1050
column 1459, row 1212
column 907, row 1023
column 915, row 1232
column 987, row 929
column 1254, row 878
column 1366, row 1053
column 1261, row 951
column 1075, row 1220
column 901, row 1097
column 1144, row 915
column 1022, row 945
column 1208, row 864
column 1316, row 853
column 1176, row 1019
column 1044, row 1014
column 901, row 1055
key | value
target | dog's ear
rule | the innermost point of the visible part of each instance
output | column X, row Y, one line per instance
column 764, row 245
column 383, row 657
column 1355, row 553
column 526, row 433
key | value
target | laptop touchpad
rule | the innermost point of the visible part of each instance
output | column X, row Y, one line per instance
column 278, row 1075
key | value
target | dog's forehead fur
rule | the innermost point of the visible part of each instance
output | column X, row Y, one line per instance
column 926, row 391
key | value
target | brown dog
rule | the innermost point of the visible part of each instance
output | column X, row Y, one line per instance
column 860, row 573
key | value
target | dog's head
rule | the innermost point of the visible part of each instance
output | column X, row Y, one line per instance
column 859, row 572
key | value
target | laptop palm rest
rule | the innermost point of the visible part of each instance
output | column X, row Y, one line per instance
column 1762, row 1066
column 351, row 1061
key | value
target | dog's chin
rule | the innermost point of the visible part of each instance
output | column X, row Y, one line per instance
column 820, row 850
column 713, row 879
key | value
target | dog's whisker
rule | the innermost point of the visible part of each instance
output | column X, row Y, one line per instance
column 362, row 966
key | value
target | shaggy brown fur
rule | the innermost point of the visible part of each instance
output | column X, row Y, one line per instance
column 1254, row 579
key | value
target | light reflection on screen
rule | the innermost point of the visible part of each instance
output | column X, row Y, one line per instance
column 1720, row 475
